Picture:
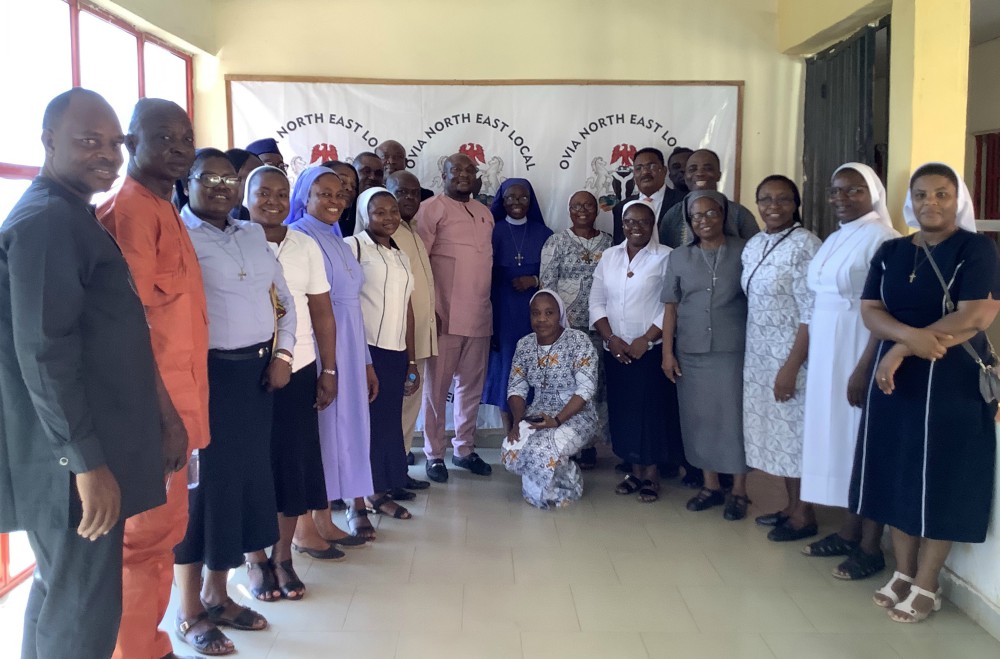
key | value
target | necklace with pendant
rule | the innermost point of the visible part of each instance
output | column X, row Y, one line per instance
column 916, row 264
column 224, row 244
column 519, row 258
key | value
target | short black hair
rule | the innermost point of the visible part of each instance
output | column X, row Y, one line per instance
column 366, row 153
column 680, row 150
column 57, row 107
column 935, row 169
column 145, row 106
column 650, row 149
column 715, row 155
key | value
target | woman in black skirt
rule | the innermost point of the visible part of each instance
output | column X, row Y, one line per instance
column 926, row 448
column 626, row 310
column 296, row 460
column 232, row 508
column 388, row 318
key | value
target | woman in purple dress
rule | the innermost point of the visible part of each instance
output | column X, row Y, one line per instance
column 317, row 203
column 519, row 233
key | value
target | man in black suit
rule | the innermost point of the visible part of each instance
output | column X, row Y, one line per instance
column 649, row 171
column 80, row 443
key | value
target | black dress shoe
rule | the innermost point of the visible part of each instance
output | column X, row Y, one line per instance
column 473, row 463
column 411, row 459
column 785, row 533
column 706, row 499
column 399, row 494
column 772, row 519
column 436, row 471
column 414, row 484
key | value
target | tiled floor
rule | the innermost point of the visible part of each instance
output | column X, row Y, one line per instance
column 479, row 573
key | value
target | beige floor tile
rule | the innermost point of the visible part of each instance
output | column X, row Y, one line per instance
column 507, row 531
column 971, row 645
column 322, row 609
column 797, row 645
column 721, row 646
column 836, row 609
column 445, row 643
column 513, row 608
column 323, row 645
column 409, row 607
column 381, row 562
column 659, row 567
column 613, row 608
column 757, row 609
column 582, row 645
column 463, row 564
column 565, row 565
column 610, row 531
column 743, row 565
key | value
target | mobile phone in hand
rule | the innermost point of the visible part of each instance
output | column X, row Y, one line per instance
column 534, row 418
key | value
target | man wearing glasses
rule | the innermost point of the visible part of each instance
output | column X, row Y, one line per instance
column 649, row 171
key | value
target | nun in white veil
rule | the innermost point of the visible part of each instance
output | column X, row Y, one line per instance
column 554, row 367
column 925, row 461
column 840, row 354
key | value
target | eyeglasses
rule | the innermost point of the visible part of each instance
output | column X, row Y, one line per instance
column 777, row 201
column 521, row 198
column 650, row 167
column 853, row 191
column 576, row 208
column 707, row 215
column 214, row 180
column 637, row 222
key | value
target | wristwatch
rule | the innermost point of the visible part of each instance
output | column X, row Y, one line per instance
column 283, row 357
column 649, row 345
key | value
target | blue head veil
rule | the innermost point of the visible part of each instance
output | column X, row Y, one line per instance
column 534, row 211
column 300, row 195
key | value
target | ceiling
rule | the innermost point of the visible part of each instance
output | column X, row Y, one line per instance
column 985, row 21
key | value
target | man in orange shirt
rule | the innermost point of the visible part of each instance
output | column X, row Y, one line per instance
column 167, row 277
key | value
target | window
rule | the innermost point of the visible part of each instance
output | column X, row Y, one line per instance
column 986, row 195
column 83, row 46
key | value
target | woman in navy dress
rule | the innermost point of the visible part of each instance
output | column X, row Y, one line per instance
column 926, row 447
column 519, row 233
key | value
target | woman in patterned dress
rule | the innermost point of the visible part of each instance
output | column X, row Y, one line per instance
column 560, row 364
column 779, row 306
column 569, row 259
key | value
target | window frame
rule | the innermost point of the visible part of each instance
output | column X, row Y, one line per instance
column 22, row 171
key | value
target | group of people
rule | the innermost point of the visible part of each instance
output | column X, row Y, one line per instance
column 203, row 369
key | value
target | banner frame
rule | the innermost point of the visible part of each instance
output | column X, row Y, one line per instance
column 739, row 84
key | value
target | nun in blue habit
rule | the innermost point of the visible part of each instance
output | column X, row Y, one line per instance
column 518, row 236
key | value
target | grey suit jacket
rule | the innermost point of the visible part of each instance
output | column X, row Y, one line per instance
column 77, row 379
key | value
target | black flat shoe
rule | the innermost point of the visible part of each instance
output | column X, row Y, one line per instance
column 399, row 494
column 785, row 533
column 473, row 463
column 414, row 484
column 693, row 478
column 706, row 499
column 736, row 507
column 331, row 553
column 772, row 519
column 436, row 471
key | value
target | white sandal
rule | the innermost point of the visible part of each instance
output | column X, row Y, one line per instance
column 906, row 606
column 886, row 591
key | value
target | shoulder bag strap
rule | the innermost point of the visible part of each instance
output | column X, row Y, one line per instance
column 950, row 306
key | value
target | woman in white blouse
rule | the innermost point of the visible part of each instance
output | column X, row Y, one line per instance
column 626, row 310
column 388, row 319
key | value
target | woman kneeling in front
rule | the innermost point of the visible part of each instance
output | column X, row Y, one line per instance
column 560, row 365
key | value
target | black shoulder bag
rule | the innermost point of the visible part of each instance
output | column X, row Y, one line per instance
column 989, row 380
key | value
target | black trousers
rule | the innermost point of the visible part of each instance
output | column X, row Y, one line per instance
column 75, row 604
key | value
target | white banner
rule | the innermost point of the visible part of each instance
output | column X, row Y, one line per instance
column 561, row 137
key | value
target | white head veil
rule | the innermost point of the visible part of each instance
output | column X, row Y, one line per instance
column 655, row 238
column 875, row 188
column 362, row 208
column 563, row 322
column 966, row 216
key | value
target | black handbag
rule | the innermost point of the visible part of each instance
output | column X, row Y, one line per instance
column 989, row 379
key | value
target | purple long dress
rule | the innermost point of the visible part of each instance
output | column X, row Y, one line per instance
column 344, row 426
